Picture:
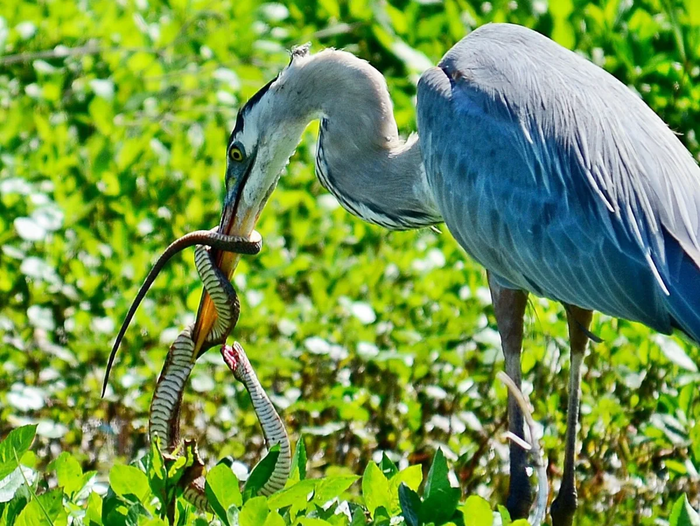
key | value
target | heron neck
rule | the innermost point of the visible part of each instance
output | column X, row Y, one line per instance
column 360, row 158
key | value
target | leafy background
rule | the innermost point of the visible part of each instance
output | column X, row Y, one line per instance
column 113, row 124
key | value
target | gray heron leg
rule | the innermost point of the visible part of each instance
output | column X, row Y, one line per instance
column 509, row 307
column 564, row 506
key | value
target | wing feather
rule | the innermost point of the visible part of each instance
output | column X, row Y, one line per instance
column 583, row 186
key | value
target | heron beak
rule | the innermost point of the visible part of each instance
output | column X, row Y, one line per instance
column 238, row 218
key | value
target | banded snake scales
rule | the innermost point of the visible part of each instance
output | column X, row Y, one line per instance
column 164, row 416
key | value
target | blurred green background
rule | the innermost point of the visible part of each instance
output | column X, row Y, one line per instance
column 114, row 117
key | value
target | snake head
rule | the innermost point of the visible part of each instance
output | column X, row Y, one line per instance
column 234, row 357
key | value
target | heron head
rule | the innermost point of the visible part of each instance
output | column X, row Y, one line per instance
column 267, row 131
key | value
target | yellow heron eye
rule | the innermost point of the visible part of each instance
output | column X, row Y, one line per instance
column 235, row 154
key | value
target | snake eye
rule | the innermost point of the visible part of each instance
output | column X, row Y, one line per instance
column 235, row 154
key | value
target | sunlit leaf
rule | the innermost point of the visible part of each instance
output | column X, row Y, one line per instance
column 375, row 489
column 222, row 490
column 128, row 480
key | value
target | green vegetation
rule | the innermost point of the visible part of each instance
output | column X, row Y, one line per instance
column 379, row 347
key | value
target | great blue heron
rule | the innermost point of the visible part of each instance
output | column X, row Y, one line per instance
column 546, row 169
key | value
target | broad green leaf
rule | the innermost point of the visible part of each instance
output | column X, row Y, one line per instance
column 222, row 490
column 442, row 503
column 309, row 521
column 93, row 514
column 375, row 489
column 439, row 496
column 410, row 504
column 683, row 514
column 69, row 472
column 291, row 495
column 358, row 518
column 274, row 519
column 477, row 512
column 382, row 517
column 331, row 487
column 254, row 512
column 45, row 510
column 128, row 480
column 262, row 472
column 437, row 476
column 15, row 444
column 520, row 522
column 412, row 476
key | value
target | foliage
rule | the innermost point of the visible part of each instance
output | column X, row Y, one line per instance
column 113, row 122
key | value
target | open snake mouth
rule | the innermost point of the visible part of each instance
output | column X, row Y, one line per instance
column 231, row 357
column 210, row 238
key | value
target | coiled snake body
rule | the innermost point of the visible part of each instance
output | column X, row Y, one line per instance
column 164, row 416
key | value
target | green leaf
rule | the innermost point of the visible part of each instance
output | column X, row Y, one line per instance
column 382, row 517
column 261, row 472
column 222, row 490
column 45, row 510
column 69, row 472
column 520, row 522
column 388, row 467
column 358, row 518
column 437, row 476
column 692, row 9
column 292, row 495
column 439, row 496
column 16, row 443
column 128, row 480
column 254, row 512
column 331, row 487
column 298, row 471
column 177, row 469
column 310, row 521
column 411, row 505
column 156, row 471
column 274, row 519
column 505, row 516
column 93, row 514
column 15, row 506
column 412, row 476
column 10, row 484
column 683, row 514
column 477, row 511
column 375, row 489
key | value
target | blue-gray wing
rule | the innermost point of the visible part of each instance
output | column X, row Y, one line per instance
column 560, row 180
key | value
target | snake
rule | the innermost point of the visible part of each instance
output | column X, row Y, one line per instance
column 164, row 414
column 271, row 423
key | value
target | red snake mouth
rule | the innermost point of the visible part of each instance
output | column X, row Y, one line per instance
column 232, row 358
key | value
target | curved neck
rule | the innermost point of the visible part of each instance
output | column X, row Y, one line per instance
column 360, row 158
